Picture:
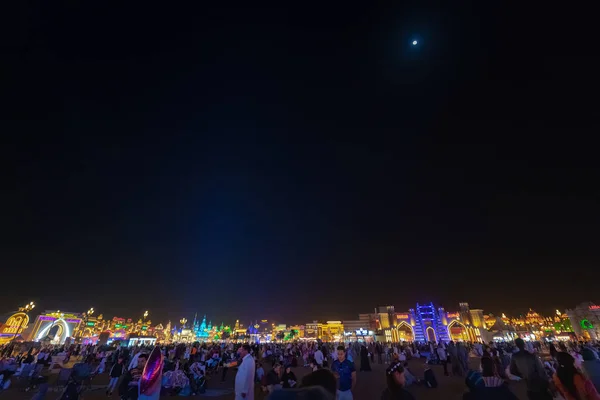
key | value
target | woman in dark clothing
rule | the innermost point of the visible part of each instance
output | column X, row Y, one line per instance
column 288, row 378
column 364, row 359
column 273, row 380
column 395, row 384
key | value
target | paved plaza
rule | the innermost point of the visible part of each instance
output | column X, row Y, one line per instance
column 369, row 386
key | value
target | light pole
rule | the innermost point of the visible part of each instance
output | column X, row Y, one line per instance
column 145, row 314
column 183, row 321
column 26, row 310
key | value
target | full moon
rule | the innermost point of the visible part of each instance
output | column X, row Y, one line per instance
column 414, row 42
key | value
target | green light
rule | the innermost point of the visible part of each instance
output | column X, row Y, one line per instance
column 585, row 324
column 90, row 324
column 117, row 325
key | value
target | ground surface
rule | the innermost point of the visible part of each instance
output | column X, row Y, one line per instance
column 369, row 386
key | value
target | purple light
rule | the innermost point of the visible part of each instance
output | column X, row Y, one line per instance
column 73, row 321
column 46, row 318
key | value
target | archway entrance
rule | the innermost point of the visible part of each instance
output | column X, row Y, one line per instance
column 405, row 332
column 458, row 332
column 430, row 334
column 55, row 334
column 57, row 331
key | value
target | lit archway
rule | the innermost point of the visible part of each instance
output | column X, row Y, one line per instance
column 457, row 331
column 62, row 332
column 405, row 332
column 16, row 323
column 56, row 332
column 430, row 333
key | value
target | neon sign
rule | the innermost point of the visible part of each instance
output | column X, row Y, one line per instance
column 47, row 318
column 585, row 324
column 402, row 316
column 594, row 307
column 453, row 315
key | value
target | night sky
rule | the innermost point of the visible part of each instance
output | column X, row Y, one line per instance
column 298, row 161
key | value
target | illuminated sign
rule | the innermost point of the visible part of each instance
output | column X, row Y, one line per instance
column 402, row 316
column 585, row 324
column 117, row 325
column 47, row 318
column 90, row 323
column 361, row 332
column 73, row 321
column 594, row 307
column 453, row 315
column 144, row 327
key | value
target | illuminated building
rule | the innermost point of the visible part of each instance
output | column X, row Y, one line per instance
column 332, row 331
column 428, row 323
column 14, row 325
column 201, row 330
column 314, row 330
column 356, row 330
column 533, row 318
column 384, row 319
column 502, row 332
column 54, row 326
column 299, row 329
column 369, row 321
column 239, row 330
column 489, row 320
column 585, row 320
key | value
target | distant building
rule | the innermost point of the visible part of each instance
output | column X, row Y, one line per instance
column 426, row 322
column 55, row 326
column 585, row 320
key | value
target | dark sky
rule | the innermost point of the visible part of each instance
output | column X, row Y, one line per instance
column 298, row 161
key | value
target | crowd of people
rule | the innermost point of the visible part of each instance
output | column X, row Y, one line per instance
column 561, row 370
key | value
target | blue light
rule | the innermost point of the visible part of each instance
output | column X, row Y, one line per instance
column 414, row 42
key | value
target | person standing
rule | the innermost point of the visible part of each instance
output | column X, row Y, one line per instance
column 319, row 358
column 244, row 380
column 570, row 382
column 344, row 370
column 441, row 352
column 364, row 359
column 529, row 367
column 115, row 373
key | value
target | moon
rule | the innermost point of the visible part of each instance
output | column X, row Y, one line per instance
column 414, row 43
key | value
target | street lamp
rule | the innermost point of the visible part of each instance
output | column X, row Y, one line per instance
column 183, row 321
column 145, row 314
column 26, row 310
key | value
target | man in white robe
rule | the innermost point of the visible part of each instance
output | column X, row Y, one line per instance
column 244, row 380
